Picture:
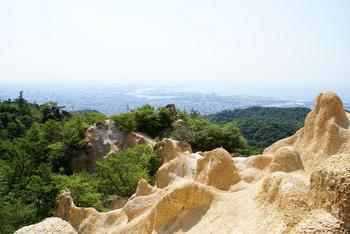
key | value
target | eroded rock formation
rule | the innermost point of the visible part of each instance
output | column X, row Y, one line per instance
column 103, row 139
column 330, row 187
column 48, row 226
column 217, row 169
column 299, row 185
column 326, row 133
column 168, row 149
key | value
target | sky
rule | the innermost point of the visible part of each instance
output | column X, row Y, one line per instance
column 281, row 48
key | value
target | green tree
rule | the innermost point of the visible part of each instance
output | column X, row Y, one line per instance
column 41, row 190
column 51, row 110
column 262, row 126
column 32, row 153
column 204, row 135
column 119, row 173
column 148, row 121
column 83, row 188
column 126, row 122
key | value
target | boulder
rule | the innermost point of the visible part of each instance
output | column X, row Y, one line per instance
column 286, row 159
column 144, row 189
column 181, row 168
column 168, row 149
column 48, row 226
column 217, row 169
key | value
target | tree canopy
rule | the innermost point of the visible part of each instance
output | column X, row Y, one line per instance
column 262, row 126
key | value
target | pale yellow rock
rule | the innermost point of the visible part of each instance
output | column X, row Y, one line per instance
column 141, row 214
column 48, row 226
column 215, row 193
column 168, row 149
column 326, row 133
column 178, row 162
column 252, row 169
column 319, row 221
column 284, row 193
column 330, row 187
column 286, row 159
column 217, row 169
column 182, row 167
column 144, row 189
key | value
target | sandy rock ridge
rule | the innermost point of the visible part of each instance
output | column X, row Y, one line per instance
column 300, row 184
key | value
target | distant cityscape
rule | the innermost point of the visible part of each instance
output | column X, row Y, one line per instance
column 113, row 100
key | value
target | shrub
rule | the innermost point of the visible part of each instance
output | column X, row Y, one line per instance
column 83, row 188
column 125, row 122
column 145, row 119
column 204, row 135
column 119, row 173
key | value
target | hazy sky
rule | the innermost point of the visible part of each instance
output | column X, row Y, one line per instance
column 290, row 47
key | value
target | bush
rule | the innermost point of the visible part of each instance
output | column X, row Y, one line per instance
column 83, row 188
column 146, row 119
column 183, row 132
column 14, row 214
column 116, row 176
column 204, row 135
column 119, row 173
column 125, row 122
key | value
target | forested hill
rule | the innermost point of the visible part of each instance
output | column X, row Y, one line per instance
column 290, row 114
column 262, row 126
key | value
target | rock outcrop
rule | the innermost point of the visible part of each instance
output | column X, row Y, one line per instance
column 144, row 189
column 330, row 188
column 172, row 109
column 318, row 221
column 299, row 185
column 326, row 133
column 48, row 226
column 103, row 139
column 168, row 149
column 284, row 194
column 328, row 198
column 286, row 159
column 217, row 169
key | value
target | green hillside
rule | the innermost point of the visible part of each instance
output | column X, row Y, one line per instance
column 262, row 126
